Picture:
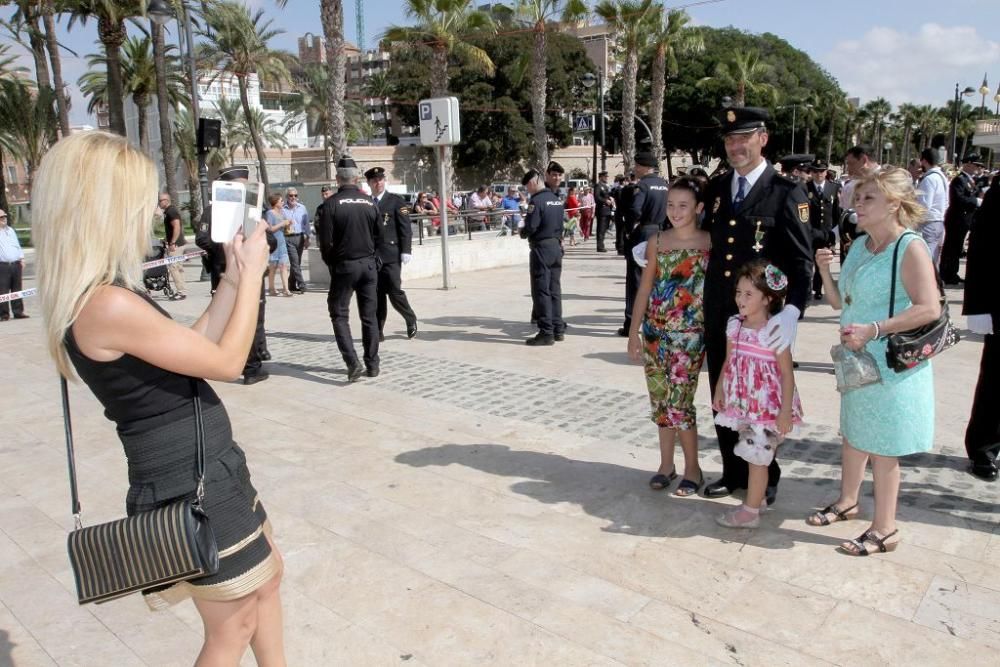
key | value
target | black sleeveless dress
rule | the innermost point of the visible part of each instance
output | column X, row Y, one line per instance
column 154, row 412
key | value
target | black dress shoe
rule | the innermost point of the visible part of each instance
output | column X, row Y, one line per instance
column 560, row 337
column 21, row 316
column 771, row 495
column 602, row 250
column 354, row 372
column 986, row 471
column 541, row 339
column 623, row 332
column 717, row 489
column 373, row 371
column 265, row 356
column 254, row 378
column 411, row 330
column 817, row 296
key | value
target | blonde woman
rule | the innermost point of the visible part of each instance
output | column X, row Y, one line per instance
column 139, row 363
column 881, row 422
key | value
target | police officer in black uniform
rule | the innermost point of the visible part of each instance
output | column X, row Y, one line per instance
column 348, row 231
column 824, row 214
column 394, row 248
column 963, row 200
column 554, row 177
column 604, row 204
column 646, row 216
column 752, row 212
column 623, row 211
column 253, row 371
column 543, row 227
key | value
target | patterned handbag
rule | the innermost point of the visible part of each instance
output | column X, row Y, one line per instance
column 146, row 550
column 907, row 349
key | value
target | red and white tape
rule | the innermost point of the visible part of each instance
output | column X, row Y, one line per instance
column 13, row 296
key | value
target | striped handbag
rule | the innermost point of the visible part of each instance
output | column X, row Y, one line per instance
column 146, row 550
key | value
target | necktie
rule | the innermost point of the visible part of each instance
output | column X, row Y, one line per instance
column 741, row 193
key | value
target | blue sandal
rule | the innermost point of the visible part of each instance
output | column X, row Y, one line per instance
column 659, row 481
column 689, row 488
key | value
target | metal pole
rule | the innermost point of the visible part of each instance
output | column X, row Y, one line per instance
column 593, row 170
column 954, row 129
column 794, row 109
column 195, row 113
column 446, row 282
column 600, row 88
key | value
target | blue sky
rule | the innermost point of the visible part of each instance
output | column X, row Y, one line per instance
column 904, row 50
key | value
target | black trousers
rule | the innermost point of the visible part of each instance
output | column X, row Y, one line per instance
column 10, row 281
column 390, row 290
column 346, row 278
column 735, row 471
column 633, row 272
column 217, row 264
column 545, row 264
column 951, row 252
column 603, row 222
column 259, row 345
column 982, row 436
column 296, row 245
column 620, row 235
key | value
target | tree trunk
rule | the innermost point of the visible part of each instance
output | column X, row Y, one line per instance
column 807, row 140
column 4, row 204
column 332, row 17
column 194, row 190
column 906, row 145
column 628, row 108
column 965, row 146
column 538, row 82
column 741, row 95
column 141, row 102
column 163, row 109
column 258, row 145
column 656, row 103
column 112, row 35
column 829, row 138
column 37, row 50
column 62, row 98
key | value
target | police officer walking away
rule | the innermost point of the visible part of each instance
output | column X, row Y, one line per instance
column 963, row 200
column 395, row 247
column 543, row 226
column 752, row 212
column 647, row 215
column 348, row 231
column 824, row 214
column 605, row 207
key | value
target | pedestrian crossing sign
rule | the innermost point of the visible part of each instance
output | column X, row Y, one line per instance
column 583, row 123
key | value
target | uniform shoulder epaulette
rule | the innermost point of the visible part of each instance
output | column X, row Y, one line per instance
column 786, row 180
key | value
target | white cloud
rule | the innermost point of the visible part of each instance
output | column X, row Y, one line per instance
column 920, row 67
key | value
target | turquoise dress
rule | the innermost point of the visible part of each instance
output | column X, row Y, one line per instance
column 894, row 417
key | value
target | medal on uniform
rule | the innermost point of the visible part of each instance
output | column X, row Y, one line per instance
column 385, row 219
column 758, row 236
column 715, row 207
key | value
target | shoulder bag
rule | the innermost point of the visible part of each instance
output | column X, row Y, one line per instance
column 907, row 349
column 146, row 550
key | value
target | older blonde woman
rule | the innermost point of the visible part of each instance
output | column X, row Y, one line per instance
column 145, row 369
column 881, row 422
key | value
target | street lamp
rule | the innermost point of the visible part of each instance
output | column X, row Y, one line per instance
column 996, row 98
column 161, row 12
column 969, row 90
column 420, row 174
column 888, row 149
column 984, row 90
column 794, row 108
column 588, row 82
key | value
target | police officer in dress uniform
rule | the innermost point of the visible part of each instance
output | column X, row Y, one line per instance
column 554, row 177
column 254, row 371
column 394, row 248
column 623, row 212
column 543, row 227
column 752, row 212
column 647, row 215
column 604, row 201
column 824, row 213
column 963, row 200
column 349, row 231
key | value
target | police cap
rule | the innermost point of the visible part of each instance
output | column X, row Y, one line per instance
column 796, row 161
column 973, row 158
column 602, row 173
column 819, row 165
column 646, row 159
column 555, row 168
column 234, row 173
column 375, row 172
column 326, row 188
column 346, row 162
column 742, row 120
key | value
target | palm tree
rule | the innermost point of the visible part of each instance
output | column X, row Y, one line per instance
column 163, row 107
column 187, row 150
column 377, row 86
column 744, row 73
column 928, row 120
column 313, row 85
column 237, row 45
column 906, row 119
column 111, row 16
column 48, row 10
column 444, row 26
column 234, row 125
column 10, row 74
column 671, row 37
column 331, row 14
column 836, row 104
column 631, row 21
column 539, row 13
column 878, row 110
column 26, row 123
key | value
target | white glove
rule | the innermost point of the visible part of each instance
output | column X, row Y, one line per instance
column 639, row 254
column 406, row 258
column 779, row 332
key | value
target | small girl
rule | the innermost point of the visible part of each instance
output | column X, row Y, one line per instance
column 668, row 306
column 756, row 394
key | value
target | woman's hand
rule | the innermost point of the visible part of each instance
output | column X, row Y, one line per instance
column 784, row 422
column 634, row 347
column 719, row 400
column 824, row 258
column 247, row 256
column 855, row 336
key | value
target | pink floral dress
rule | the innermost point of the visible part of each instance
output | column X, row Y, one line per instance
column 751, row 382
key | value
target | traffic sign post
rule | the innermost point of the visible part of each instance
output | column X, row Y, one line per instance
column 439, row 126
column 584, row 123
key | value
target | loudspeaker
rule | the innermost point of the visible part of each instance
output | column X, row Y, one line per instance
column 209, row 134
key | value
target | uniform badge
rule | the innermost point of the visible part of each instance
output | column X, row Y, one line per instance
column 810, row 195
column 385, row 219
column 716, row 205
column 804, row 213
column 405, row 210
column 531, row 208
column 731, row 116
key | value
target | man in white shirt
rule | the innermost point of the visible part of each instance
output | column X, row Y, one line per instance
column 932, row 193
column 11, row 266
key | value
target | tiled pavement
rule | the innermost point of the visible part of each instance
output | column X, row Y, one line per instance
column 486, row 502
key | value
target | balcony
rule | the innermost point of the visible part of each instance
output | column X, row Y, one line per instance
column 987, row 134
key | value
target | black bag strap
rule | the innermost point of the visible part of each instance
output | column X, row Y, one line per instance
column 892, row 292
column 71, row 456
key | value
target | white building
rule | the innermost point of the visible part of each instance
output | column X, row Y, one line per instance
column 212, row 88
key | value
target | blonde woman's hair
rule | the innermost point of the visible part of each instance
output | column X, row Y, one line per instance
column 897, row 186
column 93, row 200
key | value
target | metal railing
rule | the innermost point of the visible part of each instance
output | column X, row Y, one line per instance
column 989, row 126
column 499, row 220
